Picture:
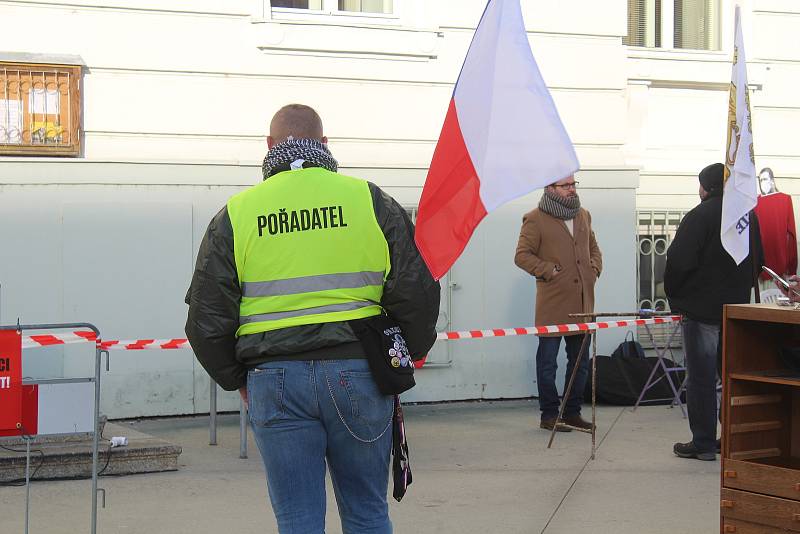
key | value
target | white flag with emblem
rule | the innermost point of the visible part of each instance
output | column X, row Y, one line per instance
column 740, row 193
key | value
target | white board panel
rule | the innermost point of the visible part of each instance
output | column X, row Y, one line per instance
column 66, row 408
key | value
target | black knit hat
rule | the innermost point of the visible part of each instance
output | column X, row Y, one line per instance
column 711, row 178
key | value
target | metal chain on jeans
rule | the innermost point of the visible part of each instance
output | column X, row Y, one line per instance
column 341, row 417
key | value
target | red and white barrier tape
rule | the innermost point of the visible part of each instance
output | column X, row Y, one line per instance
column 62, row 338
column 142, row 344
column 555, row 329
column 46, row 340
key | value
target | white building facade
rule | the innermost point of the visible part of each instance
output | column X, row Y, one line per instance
column 102, row 213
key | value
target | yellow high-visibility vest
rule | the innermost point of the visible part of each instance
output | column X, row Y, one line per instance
column 308, row 250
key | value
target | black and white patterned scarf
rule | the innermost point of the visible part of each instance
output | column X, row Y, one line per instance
column 298, row 154
column 558, row 207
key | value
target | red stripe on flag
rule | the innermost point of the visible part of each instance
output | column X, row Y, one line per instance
column 563, row 328
column 475, row 333
column 521, row 331
column 450, row 207
column 173, row 344
column 583, row 327
column 46, row 340
column 602, row 325
column 542, row 330
column 499, row 332
column 453, row 335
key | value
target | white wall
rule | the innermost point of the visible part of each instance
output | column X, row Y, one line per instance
column 176, row 101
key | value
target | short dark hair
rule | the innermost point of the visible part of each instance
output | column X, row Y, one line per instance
column 296, row 120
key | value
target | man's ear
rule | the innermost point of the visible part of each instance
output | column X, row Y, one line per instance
column 270, row 141
column 324, row 140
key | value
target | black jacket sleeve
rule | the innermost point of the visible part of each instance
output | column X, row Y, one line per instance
column 410, row 294
column 213, row 300
column 683, row 256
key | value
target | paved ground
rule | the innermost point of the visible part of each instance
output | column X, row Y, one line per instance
column 478, row 468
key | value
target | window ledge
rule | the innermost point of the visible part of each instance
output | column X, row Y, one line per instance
column 285, row 14
column 42, row 59
column 678, row 54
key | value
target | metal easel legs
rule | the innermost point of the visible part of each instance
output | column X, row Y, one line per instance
column 568, row 391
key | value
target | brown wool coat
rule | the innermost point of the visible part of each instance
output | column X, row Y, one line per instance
column 545, row 242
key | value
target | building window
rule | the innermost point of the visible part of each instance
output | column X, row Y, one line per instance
column 39, row 109
column 366, row 6
column 347, row 6
column 688, row 24
column 298, row 4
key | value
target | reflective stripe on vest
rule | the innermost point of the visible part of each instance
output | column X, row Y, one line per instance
column 347, row 306
column 309, row 284
column 308, row 250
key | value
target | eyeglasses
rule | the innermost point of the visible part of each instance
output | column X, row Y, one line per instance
column 571, row 185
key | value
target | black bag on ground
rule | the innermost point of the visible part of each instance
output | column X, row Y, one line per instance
column 387, row 354
column 630, row 348
column 620, row 381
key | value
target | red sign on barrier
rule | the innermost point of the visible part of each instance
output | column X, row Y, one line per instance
column 10, row 380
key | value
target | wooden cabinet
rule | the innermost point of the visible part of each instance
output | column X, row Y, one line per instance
column 760, row 476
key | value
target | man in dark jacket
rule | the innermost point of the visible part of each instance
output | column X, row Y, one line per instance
column 281, row 272
column 700, row 278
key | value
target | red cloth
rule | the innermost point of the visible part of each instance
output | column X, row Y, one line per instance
column 778, row 236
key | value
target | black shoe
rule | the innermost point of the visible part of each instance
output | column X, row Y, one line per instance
column 548, row 424
column 719, row 446
column 688, row 450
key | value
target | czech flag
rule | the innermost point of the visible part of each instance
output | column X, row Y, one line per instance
column 502, row 138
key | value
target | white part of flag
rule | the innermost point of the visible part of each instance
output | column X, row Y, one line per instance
column 740, row 194
column 512, row 130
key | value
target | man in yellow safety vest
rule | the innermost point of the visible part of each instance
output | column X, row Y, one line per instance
column 281, row 271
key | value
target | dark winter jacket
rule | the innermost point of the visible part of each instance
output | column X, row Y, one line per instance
column 700, row 276
column 410, row 297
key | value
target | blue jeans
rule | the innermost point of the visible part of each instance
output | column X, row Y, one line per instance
column 306, row 414
column 701, row 344
column 546, row 367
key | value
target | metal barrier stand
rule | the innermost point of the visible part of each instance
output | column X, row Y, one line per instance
column 212, row 421
column 95, row 435
column 212, row 412
column 593, row 333
column 661, row 354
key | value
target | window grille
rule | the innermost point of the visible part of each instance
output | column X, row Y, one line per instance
column 39, row 109
column 656, row 229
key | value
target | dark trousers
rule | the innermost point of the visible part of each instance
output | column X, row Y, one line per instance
column 546, row 367
column 701, row 342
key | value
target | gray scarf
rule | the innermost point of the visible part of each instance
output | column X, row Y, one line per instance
column 298, row 154
column 558, row 207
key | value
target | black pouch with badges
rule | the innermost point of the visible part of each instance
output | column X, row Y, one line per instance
column 387, row 353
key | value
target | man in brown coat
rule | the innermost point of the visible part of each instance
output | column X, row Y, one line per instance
column 558, row 247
